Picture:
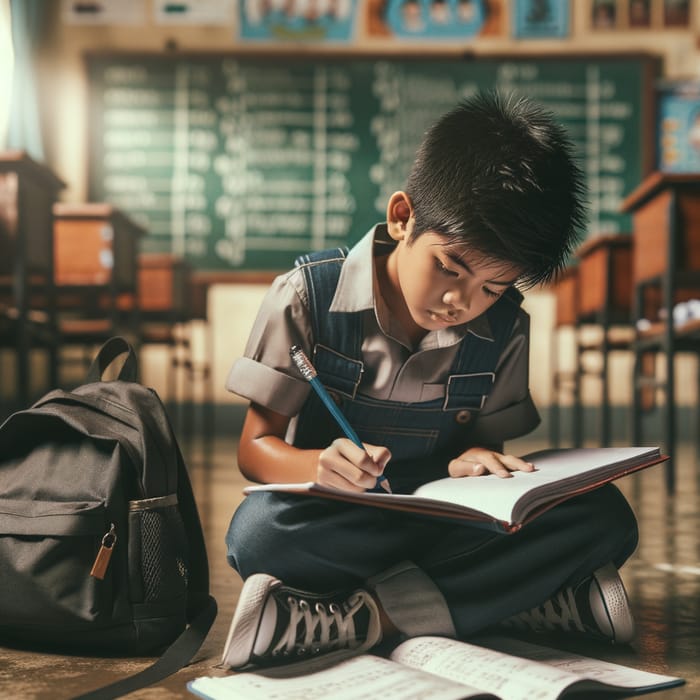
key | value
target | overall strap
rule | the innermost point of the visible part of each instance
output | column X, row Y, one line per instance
column 340, row 331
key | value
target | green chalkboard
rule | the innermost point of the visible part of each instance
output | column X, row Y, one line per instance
column 241, row 162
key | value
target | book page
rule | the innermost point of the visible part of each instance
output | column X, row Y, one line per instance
column 488, row 498
column 509, row 677
column 581, row 666
column 499, row 497
column 360, row 678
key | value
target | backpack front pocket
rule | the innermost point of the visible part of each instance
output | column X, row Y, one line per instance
column 47, row 552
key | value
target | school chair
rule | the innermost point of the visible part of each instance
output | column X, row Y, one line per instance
column 665, row 211
column 96, row 248
column 603, row 324
column 28, row 190
column 201, row 357
column 164, row 284
column 565, row 389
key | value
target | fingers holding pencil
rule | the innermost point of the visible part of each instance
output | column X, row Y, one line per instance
column 344, row 465
column 309, row 373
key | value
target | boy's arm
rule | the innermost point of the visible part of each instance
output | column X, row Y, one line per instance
column 264, row 456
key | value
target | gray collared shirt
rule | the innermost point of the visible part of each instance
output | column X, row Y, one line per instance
column 393, row 370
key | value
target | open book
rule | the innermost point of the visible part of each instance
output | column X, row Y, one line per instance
column 435, row 668
column 504, row 505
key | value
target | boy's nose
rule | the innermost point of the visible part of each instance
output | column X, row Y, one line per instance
column 456, row 298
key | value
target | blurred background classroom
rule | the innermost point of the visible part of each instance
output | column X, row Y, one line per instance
column 161, row 162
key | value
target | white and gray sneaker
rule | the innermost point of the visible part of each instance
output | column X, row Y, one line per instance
column 597, row 607
column 277, row 625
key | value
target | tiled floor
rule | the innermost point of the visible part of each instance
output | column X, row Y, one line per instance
column 663, row 580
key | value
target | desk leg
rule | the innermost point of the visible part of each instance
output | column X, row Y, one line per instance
column 578, row 428
column 605, row 427
column 21, row 294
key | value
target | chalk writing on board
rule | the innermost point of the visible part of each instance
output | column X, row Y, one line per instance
column 244, row 163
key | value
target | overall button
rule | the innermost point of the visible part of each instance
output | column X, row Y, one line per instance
column 463, row 416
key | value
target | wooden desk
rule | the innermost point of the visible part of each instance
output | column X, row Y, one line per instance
column 566, row 292
column 28, row 191
column 164, row 285
column 96, row 270
column 96, row 245
column 665, row 212
column 605, row 278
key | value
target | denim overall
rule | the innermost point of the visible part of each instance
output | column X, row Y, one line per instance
column 414, row 432
column 319, row 545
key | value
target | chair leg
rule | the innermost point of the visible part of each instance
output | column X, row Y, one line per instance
column 554, row 425
column 670, row 421
column 697, row 402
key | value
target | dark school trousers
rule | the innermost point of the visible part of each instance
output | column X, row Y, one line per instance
column 320, row 545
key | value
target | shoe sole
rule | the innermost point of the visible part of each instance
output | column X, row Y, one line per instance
column 246, row 620
column 616, row 606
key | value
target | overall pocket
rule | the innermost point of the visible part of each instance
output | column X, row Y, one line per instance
column 47, row 552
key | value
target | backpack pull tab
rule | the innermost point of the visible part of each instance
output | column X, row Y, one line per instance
column 99, row 568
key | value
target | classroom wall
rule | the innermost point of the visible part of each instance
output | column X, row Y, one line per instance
column 232, row 307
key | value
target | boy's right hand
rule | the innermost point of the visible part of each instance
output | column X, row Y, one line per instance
column 343, row 465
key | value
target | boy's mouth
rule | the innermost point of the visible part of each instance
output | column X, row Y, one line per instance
column 442, row 318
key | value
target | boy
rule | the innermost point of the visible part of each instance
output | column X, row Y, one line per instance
column 419, row 335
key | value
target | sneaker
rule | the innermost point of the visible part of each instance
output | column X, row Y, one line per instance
column 597, row 607
column 275, row 625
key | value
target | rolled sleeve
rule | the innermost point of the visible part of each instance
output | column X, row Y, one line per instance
column 265, row 375
column 266, row 386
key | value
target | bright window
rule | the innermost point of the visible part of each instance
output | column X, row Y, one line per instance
column 6, row 65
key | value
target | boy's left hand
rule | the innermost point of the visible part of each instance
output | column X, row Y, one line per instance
column 477, row 461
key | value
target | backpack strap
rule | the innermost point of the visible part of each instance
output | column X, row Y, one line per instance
column 109, row 352
column 175, row 657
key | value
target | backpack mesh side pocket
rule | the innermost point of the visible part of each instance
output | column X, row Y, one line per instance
column 158, row 557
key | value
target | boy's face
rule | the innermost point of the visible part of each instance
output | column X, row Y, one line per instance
column 433, row 285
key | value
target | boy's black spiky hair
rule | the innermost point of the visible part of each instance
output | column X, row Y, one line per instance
column 498, row 174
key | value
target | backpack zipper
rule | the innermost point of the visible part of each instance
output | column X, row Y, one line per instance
column 104, row 554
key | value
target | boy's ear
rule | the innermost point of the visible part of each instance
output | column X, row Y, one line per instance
column 399, row 216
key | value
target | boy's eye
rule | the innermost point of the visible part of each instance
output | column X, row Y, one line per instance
column 444, row 269
column 491, row 293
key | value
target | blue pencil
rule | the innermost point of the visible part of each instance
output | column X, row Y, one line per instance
column 309, row 373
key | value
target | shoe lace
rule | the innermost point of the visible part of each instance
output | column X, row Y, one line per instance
column 559, row 612
column 318, row 626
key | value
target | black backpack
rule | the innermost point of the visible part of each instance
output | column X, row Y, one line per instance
column 101, row 546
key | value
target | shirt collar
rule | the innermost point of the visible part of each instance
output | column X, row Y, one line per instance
column 355, row 290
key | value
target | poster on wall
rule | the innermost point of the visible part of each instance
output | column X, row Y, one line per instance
column 679, row 127
column 297, row 20
column 433, row 19
column 537, row 19
column 639, row 14
column 209, row 12
column 604, row 14
column 103, row 11
column 676, row 13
